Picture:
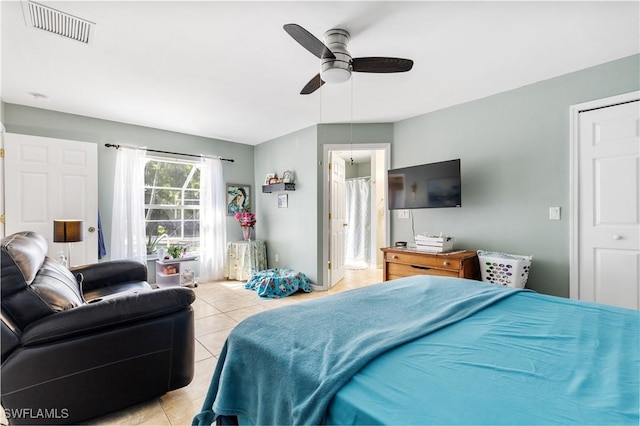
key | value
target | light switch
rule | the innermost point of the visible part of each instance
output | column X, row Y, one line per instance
column 554, row 213
column 403, row 214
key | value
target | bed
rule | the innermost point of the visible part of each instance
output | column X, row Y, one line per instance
column 430, row 350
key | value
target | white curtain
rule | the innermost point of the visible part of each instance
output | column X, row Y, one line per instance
column 213, row 220
column 358, row 235
column 128, row 237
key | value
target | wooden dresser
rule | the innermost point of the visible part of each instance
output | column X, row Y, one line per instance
column 403, row 262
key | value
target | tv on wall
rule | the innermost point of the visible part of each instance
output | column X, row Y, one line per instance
column 425, row 186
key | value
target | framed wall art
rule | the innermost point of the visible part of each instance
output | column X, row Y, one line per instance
column 238, row 198
column 283, row 201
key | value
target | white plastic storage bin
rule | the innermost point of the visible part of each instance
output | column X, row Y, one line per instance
column 504, row 269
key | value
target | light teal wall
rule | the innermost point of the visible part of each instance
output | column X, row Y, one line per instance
column 514, row 149
column 357, row 170
column 289, row 232
column 40, row 122
column 295, row 233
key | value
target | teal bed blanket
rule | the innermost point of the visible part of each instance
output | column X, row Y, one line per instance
column 284, row 366
column 529, row 359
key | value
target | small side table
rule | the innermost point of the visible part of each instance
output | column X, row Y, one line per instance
column 244, row 258
column 171, row 273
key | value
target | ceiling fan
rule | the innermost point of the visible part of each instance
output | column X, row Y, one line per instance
column 337, row 63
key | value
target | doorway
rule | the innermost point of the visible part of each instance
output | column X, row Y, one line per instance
column 48, row 179
column 365, row 228
column 605, row 242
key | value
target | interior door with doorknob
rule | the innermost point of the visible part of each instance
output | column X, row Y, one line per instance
column 337, row 223
column 609, row 204
column 48, row 179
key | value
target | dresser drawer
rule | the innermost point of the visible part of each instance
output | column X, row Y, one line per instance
column 405, row 262
column 432, row 261
column 401, row 270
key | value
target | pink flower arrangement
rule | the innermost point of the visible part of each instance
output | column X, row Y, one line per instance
column 246, row 219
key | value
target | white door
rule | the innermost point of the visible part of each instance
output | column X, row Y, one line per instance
column 337, row 212
column 609, row 205
column 47, row 179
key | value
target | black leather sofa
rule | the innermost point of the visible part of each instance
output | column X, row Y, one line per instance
column 82, row 343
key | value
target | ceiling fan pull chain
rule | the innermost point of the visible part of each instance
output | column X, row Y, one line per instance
column 351, row 135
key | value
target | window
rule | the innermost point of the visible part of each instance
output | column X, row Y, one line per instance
column 172, row 203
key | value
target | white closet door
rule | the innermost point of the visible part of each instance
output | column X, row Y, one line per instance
column 47, row 179
column 609, row 203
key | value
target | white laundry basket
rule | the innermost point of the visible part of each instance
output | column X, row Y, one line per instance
column 504, row 269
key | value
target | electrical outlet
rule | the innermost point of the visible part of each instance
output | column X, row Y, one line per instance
column 277, row 258
column 554, row 213
column 403, row 214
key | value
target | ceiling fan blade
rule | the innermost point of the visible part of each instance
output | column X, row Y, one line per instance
column 308, row 41
column 381, row 65
column 314, row 84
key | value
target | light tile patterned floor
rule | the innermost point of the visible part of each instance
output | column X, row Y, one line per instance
column 219, row 306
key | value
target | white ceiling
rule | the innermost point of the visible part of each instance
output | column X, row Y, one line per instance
column 228, row 70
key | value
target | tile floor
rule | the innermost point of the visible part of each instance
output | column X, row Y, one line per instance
column 219, row 306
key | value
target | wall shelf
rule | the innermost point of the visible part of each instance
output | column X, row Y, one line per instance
column 277, row 187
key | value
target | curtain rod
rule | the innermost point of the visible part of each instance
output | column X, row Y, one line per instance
column 109, row 145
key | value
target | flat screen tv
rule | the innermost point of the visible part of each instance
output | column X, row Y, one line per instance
column 425, row 186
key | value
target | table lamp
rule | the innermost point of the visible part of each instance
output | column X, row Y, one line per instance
column 67, row 231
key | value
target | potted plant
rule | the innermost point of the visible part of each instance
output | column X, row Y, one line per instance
column 153, row 240
column 175, row 251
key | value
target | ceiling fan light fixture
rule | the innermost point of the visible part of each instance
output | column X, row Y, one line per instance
column 336, row 63
column 336, row 75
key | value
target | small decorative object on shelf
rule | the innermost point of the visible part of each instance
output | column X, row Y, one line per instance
column 268, row 177
column 170, row 269
column 247, row 221
column 287, row 176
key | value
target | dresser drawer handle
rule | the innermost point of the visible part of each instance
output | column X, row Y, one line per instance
column 394, row 256
column 445, row 263
column 420, row 267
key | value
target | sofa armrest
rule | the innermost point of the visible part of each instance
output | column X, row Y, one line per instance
column 108, row 313
column 104, row 274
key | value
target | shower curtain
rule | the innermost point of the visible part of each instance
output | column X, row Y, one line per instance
column 358, row 215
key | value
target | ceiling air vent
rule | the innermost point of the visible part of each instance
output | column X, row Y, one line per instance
column 57, row 22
